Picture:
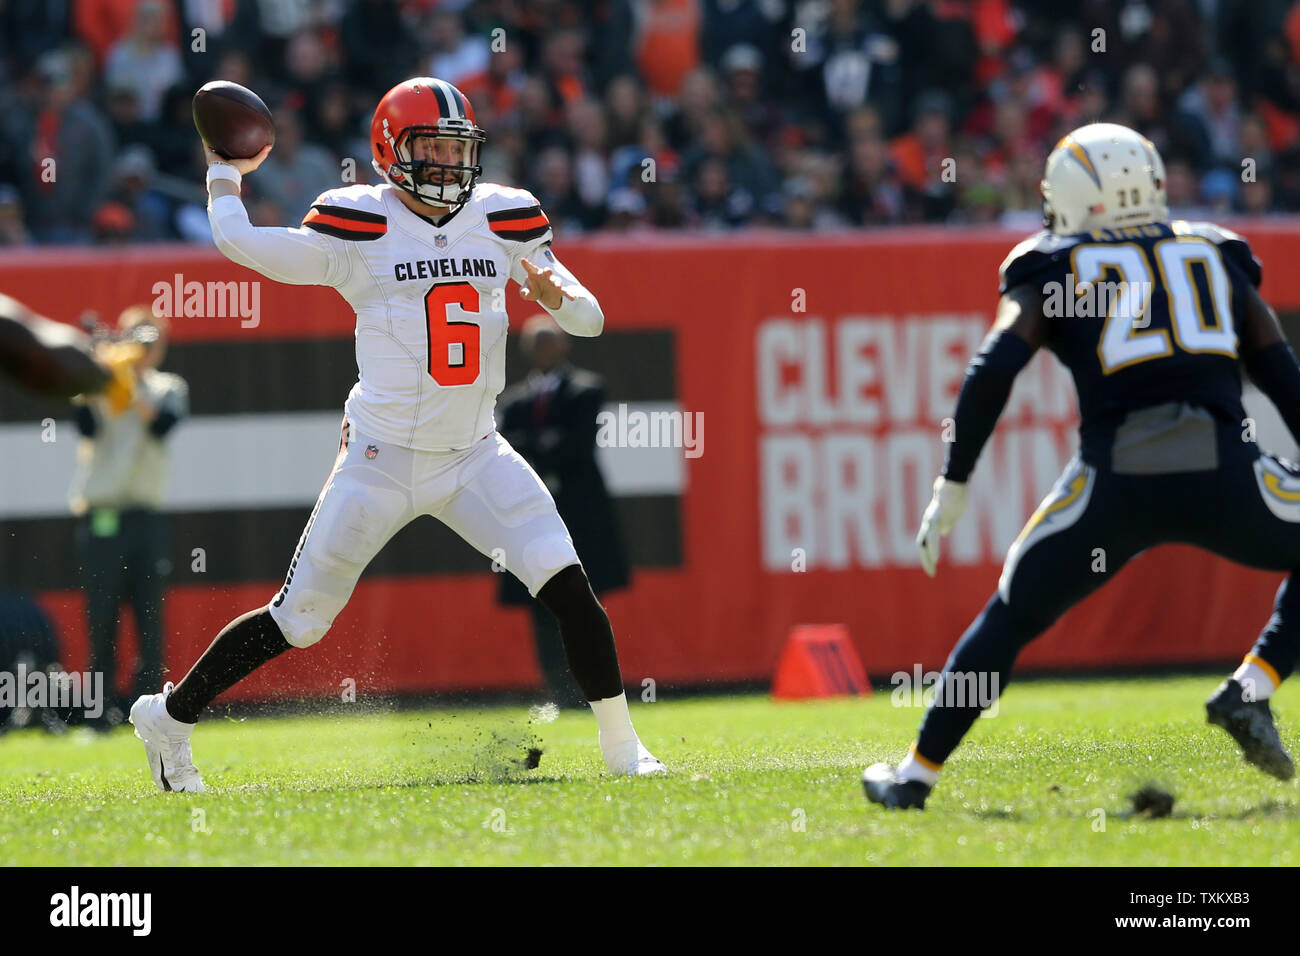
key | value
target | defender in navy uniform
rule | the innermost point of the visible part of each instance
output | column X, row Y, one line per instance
column 1154, row 319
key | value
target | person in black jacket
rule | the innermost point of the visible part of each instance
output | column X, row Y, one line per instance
column 550, row 419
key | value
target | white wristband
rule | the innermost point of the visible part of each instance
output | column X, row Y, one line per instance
column 223, row 171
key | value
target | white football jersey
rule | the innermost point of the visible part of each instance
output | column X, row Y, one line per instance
column 430, row 299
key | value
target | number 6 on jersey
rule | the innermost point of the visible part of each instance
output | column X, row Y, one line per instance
column 453, row 344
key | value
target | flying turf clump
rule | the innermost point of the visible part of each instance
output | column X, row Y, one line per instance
column 1152, row 802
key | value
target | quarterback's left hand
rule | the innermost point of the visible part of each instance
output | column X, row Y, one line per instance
column 543, row 286
column 945, row 508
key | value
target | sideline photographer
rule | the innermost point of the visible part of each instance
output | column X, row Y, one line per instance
column 118, row 490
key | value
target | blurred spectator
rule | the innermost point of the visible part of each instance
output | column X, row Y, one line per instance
column 113, row 223
column 1254, row 145
column 225, row 25
column 235, row 66
column 29, row 28
column 1257, row 197
column 12, row 230
column 742, row 72
column 144, row 60
column 751, row 182
column 650, row 156
column 669, row 203
column 1140, row 106
column 173, row 142
column 800, row 208
column 611, row 28
column 850, row 62
column 872, row 193
column 378, row 48
column 66, row 142
column 1182, row 190
column 1219, row 190
column 717, row 204
column 310, row 72
column 133, row 189
column 1022, row 201
column 700, row 99
column 538, row 115
column 752, row 23
column 102, row 23
column 562, row 66
column 460, row 59
column 338, row 129
column 923, row 159
column 978, row 198
column 624, row 110
column 122, row 104
column 628, row 210
column 1210, row 115
column 554, row 190
column 295, row 173
column 587, row 130
column 498, row 98
column 282, row 20
column 667, row 44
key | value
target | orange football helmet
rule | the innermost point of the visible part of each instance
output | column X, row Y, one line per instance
column 426, row 106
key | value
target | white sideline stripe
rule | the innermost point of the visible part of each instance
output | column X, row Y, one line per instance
column 237, row 462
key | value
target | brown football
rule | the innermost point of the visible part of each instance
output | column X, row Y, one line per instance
column 232, row 119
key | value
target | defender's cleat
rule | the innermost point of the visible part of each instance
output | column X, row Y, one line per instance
column 885, row 787
column 1250, row 722
column 631, row 759
column 166, row 744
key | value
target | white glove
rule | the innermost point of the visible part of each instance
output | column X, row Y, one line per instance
column 947, row 505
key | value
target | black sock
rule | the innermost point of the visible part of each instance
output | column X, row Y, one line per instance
column 1279, row 644
column 551, row 658
column 244, row 645
column 584, row 626
column 980, row 664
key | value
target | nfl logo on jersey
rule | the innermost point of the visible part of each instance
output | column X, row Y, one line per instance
column 372, row 452
column 440, row 241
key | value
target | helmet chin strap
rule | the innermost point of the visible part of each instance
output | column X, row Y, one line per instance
column 461, row 198
column 414, row 193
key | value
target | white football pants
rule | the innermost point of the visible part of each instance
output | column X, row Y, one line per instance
column 487, row 494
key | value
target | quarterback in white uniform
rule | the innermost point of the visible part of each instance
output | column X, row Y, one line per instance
column 424, row 259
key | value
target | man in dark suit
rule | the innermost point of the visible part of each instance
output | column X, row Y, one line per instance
column 550, row 419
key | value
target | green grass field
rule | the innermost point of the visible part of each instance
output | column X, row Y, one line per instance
column 754, row 782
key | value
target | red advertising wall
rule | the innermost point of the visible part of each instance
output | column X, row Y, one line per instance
column 823, row 367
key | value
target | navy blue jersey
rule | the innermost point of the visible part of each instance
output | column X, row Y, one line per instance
column 1141, row 316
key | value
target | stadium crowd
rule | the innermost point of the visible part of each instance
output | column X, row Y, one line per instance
column 800, row 114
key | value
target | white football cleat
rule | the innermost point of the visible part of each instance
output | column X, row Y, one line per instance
column 631, row 759
column 166, row 744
